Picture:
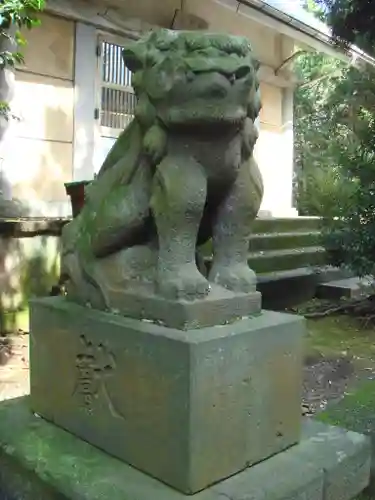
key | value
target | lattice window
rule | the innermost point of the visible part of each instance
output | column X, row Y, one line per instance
column 117, row 99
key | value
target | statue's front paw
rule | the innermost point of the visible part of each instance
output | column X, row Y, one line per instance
column 235, row 277
column 183, row 283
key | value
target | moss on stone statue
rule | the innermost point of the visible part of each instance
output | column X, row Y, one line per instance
column 197, row 93
column 40, row 460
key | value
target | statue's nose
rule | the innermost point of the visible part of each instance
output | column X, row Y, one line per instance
column 213, row 85
column 218, row 90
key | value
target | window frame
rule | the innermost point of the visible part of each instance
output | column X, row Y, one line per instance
column 102, row 130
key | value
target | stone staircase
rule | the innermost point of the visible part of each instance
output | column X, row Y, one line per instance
column 287, row 255
column 285, row 244
column 282, row 244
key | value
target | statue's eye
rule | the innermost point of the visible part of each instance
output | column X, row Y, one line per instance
column 242, row 72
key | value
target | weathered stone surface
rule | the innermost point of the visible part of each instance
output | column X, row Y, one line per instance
column 219, row 307
column 353, row 288
column 356, row 412
column 181, row 173
column 282, row 477
column 345, row 457
column 40, row 461
column 189, row 408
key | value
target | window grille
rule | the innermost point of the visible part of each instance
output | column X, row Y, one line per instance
column 117, row 99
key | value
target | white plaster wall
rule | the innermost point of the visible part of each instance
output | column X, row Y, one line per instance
column 102, row 147
column 38, row 155
column 274, row 150
column 272, row 157
column 85, row 72
column 225, row 19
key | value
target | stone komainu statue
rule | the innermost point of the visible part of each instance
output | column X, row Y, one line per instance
column 181, row 173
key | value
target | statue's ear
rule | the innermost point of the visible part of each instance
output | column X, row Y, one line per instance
column 133, row 56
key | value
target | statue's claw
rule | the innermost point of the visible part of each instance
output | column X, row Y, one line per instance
column 184, row 283
column 236, row 277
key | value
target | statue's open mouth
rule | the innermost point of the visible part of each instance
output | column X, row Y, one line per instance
column 209, row 98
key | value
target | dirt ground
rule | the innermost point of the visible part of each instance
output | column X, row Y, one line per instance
column 14, row 366
column 328, row 380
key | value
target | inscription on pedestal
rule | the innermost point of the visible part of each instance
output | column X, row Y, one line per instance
column 94, row 365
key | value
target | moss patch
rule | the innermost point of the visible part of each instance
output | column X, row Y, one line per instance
column 340, row 336
column 66, row 465
column 356, row 411
column 15, row 321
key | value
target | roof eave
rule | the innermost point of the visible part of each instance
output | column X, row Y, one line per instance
column 306, row 34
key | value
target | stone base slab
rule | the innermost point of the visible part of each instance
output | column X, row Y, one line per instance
column 40, row 461
column 221, row 306
column 187, row 407
column 351, row 288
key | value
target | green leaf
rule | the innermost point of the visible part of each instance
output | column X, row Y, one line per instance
column 21, row 14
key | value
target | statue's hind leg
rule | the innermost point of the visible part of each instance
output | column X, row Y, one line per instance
column 107, row 227
column 178, row 200
column 123, row 218
column 232, row 229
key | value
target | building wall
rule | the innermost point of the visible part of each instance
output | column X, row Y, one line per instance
column 40, row 154
column 265, row 42
column 274, row 149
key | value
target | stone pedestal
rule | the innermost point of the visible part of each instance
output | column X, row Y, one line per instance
column 189, row 408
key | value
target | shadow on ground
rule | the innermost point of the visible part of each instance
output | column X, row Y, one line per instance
column 6, row 350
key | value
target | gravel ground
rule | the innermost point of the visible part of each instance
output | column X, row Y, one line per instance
column 327, row 380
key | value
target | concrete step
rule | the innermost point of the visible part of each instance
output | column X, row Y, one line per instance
column 350, row 288
column 284, row 240
column 281, row 289
column 323, row 274
column 280, row 260
column 287, row 224
column 260, row 242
